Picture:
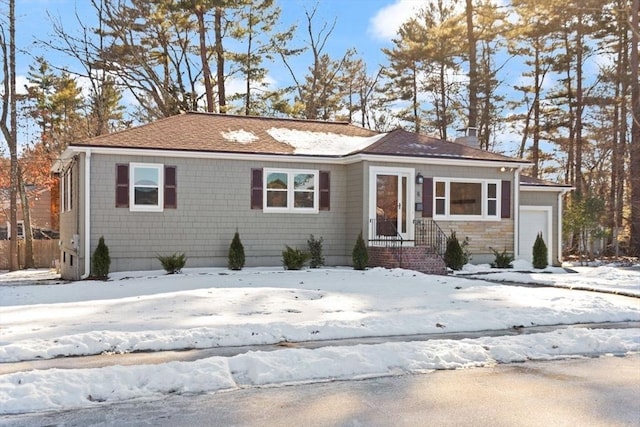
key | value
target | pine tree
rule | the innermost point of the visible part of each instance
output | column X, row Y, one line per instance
column 360, row 256
column 540, row 258
column 101, row 260
column 454, row 255
column 236, row 253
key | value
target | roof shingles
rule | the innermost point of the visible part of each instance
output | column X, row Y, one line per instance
column 207, row 132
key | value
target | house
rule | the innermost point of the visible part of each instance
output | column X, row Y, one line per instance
column 188, row 182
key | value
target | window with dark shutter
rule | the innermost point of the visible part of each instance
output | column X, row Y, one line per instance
column 325, row 194
column 256, row 188
column 427, row 197
column 170, row 188
column 505, row 200
column 122, row 186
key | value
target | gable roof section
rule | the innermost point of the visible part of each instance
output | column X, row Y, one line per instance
column 403, row 143
column 209, row 132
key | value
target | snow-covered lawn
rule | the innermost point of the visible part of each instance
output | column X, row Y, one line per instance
column 216, row 307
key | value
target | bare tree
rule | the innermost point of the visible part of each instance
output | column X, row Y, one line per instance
column 9, row 130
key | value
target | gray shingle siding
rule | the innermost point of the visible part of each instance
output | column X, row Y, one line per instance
column 213, row 201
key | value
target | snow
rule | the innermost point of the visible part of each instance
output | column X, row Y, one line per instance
column 201, row 308
column 614, row 279
column 240, row 136
column 321, row 143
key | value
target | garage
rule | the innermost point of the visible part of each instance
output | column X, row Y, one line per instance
column 534, row 220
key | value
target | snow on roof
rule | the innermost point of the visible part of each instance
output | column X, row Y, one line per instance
column 320, row 143
column 241, row 136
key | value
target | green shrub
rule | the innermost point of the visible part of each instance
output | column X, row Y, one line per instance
column 294, row 259
column 173, row 264
column 360, row 255
column 503, row 259
column 540, row 256
column 101, row 260
column 315, row 249
column 454, row 255
column 236, row 253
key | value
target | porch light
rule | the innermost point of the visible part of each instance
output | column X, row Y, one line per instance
column 419, row 179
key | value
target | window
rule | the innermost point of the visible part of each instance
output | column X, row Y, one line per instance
column 472, row 199
column 66, row 190
column 290, row 190
column 146, row 187
column 146, row 183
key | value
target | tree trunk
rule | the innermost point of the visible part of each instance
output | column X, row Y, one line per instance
column 635, row 132
column 473, row 68
column 26, row 229
column 222, row 97
column 206, row 71
column 12, row 140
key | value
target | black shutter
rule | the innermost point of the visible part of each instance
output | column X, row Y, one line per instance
column 170, row 187
column 427, row 197
column 122, row 185
column 324, row 188
column 256, row 188
column 505, row 200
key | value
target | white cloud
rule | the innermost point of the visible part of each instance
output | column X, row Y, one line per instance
column 385, row 23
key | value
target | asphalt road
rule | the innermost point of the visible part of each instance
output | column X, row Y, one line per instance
column 579, row 392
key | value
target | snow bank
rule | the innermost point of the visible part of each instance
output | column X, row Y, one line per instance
column 64, row 389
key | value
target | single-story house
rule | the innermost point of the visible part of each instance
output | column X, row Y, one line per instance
column 188, row 182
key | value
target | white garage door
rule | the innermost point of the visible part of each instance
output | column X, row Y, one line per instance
column 534, row 220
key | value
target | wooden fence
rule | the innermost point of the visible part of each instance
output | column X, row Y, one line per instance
column 45, row 253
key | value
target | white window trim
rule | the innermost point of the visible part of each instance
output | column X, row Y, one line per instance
column 290, row 191
column 485, row 205
column 146, row 208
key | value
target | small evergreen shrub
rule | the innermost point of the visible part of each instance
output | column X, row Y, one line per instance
column 315, row 249
column 503, row 259
column 540, row 255
column 173, row 264
column 360, row 256
column 236, row 253
column 454, row 255
column 294, row 258
column 101, row 260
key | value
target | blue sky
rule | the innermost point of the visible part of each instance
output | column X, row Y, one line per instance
column 367, row 25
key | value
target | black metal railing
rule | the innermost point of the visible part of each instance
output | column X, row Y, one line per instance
column 428, row 233
column 384, row 232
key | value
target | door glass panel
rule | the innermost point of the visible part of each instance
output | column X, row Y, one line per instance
column 386, row 205
column 403, row 206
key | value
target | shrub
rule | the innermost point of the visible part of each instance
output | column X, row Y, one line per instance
column 101, row 260
column 360, row 255
column 454, row 255
column 540, row 256
column 503, row 259
column 315, row 249
column 236, row 253
column 173, row 264
column 294, row 258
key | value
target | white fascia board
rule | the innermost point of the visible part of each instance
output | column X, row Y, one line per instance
column 297, row 158
column 549, row 189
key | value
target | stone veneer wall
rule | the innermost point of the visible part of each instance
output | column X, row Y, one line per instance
column 483, row 235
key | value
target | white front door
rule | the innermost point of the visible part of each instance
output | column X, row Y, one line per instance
column 534, row 220
column 392, row 207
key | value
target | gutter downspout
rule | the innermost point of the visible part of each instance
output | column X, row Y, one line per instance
column 516, row 212
column 87, row 215
column 560, row 200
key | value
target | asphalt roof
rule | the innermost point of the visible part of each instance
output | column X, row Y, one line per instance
column 209, row 132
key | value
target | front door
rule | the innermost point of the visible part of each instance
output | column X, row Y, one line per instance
column 391, row 197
